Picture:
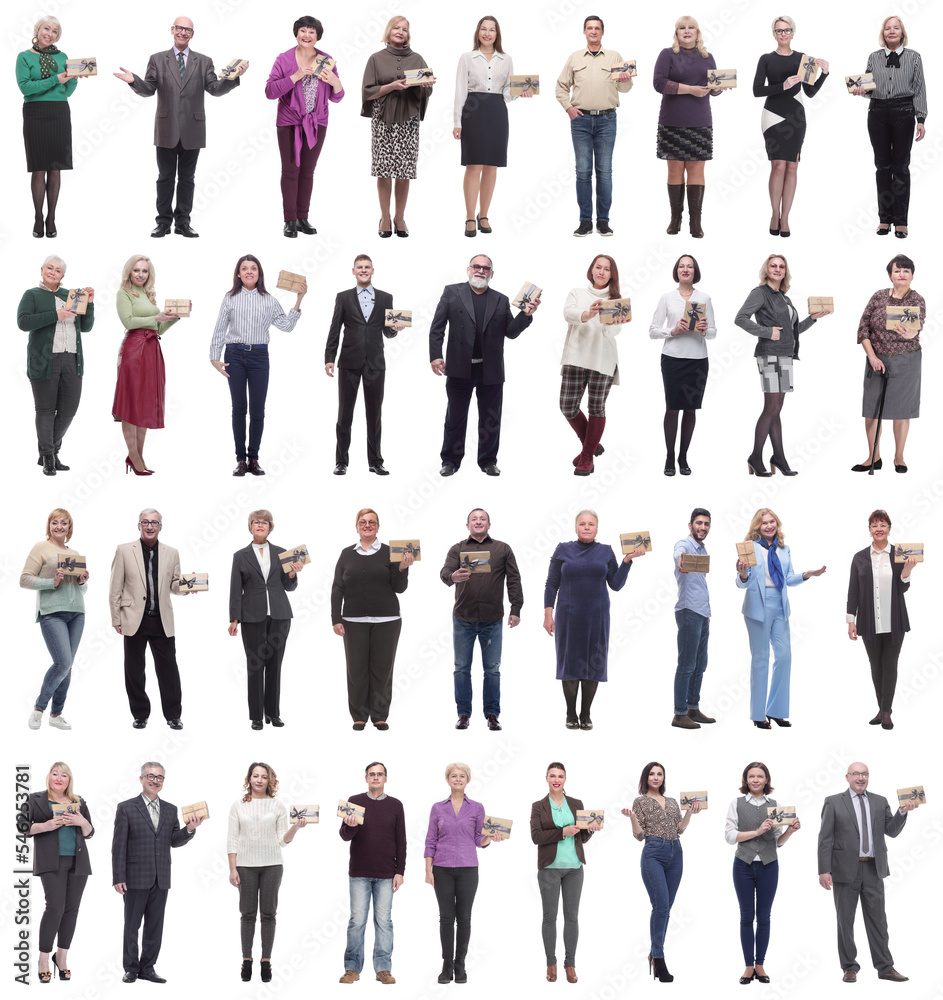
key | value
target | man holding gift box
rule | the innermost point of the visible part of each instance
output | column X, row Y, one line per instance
column 693, row 616
column 589, row 94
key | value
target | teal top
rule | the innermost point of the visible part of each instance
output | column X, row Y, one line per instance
column 566, row 849
column 66, row 838
column 38, row 572
column 137, row 312
column 33, row 87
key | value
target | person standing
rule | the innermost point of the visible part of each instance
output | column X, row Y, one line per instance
column 589, row 94
column 479, row 613
column 180, row 78
column 377, row 866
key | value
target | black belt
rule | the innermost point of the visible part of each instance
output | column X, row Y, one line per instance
column 605, row 111
column 247, row 347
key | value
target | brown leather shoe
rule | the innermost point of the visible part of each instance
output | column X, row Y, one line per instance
column 493, row 723
column 850, row 976
column 894, row 976
column 462, row 722
column 570, row 971
column 349, row 977
column 698, row 716
column 551, row 973
column 385, row 977
column 684, row 722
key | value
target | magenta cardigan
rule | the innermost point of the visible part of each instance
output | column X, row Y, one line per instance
column 291, row 101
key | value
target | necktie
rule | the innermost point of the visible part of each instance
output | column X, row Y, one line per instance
column 155, row 816
column 865, row 839
column 150, row 582
column 181, row 65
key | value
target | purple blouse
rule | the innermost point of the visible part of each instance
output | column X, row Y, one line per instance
column 452, row 840
column 690, row 67
column 291, row 100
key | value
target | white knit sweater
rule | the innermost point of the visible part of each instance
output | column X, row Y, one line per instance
column 257, row 831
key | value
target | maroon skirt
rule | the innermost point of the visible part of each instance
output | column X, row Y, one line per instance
column 139, row 394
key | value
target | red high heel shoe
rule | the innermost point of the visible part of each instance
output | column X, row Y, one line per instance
column 128, row 464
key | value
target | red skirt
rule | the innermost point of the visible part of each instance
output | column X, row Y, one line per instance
column 139, row 394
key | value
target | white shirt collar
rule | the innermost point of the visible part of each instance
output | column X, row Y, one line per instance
column 854, row 794
column 478, row 54
column 375, row 547
column 898, row 50
column 753, row 801
column 886, row 551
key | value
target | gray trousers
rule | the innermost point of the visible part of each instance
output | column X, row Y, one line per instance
column 551, row 881
column 870, row 887
column 56, row 400
column 258, row 890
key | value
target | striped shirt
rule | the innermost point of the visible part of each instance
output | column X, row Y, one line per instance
column 903, row 81
column 476, row 75
column 245, row 318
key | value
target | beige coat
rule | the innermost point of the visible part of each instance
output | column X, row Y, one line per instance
column 127, row 593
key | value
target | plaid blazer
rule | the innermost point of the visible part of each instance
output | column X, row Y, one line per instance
column 140, row 855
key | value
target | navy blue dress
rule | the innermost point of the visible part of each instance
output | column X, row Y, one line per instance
column 577, row 580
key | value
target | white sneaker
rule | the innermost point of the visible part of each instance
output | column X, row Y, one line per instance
column 58, row 722
column 35, row 719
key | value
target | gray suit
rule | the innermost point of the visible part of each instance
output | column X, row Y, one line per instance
column 839, row 854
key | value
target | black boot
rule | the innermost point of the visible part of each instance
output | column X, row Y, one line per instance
column 661, row 970
column 246, row 973
column 460, row 976
column 445, row 976
column 291, row 229
column 676, row 200
column 695, row 201
column 49, row 465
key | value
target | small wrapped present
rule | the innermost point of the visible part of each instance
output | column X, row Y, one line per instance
column 746, row 553
column 400, row 546
column 808, row 68
column 391, row 316
column 631, row 540
column 345, row 809
column 228, row 72
column 908, row 315
column 291, row 282
column 179, row 307
column 625, row 67
column 297, row 553
column 194, row 582
column 693, row 562
column 475, row 562
column 687, row 799
column 525, row 84
column 615, row 311
column 414, row 77
column 721, row 79
column 309, row 813
column 77, row 302
column 695, row 312
column 586, row 816
column 71, row 565
column 493, row 825
column 529, row 293
column 914, row 793
column 198, row 809
column 81, row 67
column 819, row 303
column 863, row 80
column 781, row 815
column 905, row 550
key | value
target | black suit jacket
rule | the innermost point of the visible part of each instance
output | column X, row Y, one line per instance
column 546, row 835
column 456, row 308
column 363, row 341
column 180, row 116
column 46, row 845
column 247, row 588
column 861, row 596
column 140, row 855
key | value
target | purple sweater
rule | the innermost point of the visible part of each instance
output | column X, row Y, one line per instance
column 452, row 841
column 378, row 848
column 291, row 100
column 690, row 67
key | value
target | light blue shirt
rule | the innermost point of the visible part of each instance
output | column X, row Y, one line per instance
column 185, row 53
column 692, row 587
column 366, row 297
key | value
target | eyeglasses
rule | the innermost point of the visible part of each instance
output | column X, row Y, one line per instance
column 368, row 524
column 376, row 774
column 782, row 31
column 155, row 778
column 149, row 524
column 859, row 774
column 484, row 268
column 180, row 27
column 260, row 524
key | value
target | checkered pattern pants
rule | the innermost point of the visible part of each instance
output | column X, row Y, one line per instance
column 574, row 384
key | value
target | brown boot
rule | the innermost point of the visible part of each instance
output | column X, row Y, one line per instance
column 698, row 716
column 676, row 200
column 695, row 201
column 349, row 977
column 683, row 722
column 551, row 973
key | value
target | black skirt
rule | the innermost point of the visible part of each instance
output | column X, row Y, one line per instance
column 485, row 130
column 685, row 380
column 47, row 135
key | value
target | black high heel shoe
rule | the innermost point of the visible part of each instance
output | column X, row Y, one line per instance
column 400, row 232
column 471, row 233
column 484, row 229
column 384, row 234
column 883, row 232
column 762, row 725
column 246, row 974
column 63, row 974
column 38, row 231
column 52, row 232
column 781, row 466
column 785, row 723
column 754, row 471
column 683, row 467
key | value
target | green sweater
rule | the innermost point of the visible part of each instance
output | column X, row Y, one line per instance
column 33, row 87
column 38, row 572
column 138, row 312
column 37, row 314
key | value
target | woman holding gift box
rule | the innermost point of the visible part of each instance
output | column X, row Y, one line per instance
column 755, row 865
column 302, row 84
column 894, row 355
column 139, row 392
column 60, row 611
column 778, row 79
column 590, row 359
column 455, row 832
column 684, row 320
column 60, row 823
column 766, row 614
column 395, row 107
column 560, row 860
column 365, row 614
column 247, row 314
column 258, row 829
column 685, row 130
column 898, row 98
column 777, row 330
column 657, row 820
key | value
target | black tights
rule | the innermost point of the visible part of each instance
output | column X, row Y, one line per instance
column 45, row 186
column 769, row 426
column 671, row 432
column 570, row 691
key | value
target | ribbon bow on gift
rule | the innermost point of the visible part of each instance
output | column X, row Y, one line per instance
column 696, row 311
column 689, row 801
column 418, row 75
column 299, row 555
column 526, row 84
column 227, row 71
column 853, row 82
column 321, row 63
column 913, row 794
column 526, row 298
column 810, row 67
column 909, row 315
column 397, row 318
column 899, row 550
column 76, row 296
column 348, row 810
column 189, row 584
column 468, row 563
column 626, row 67
column 85, row 64
column 302, row 813
column 408, row 547
column 638, row 540
column 714, row 77
column 594, row 817
column 490, row 828
column 68, row 563
column 619, row 311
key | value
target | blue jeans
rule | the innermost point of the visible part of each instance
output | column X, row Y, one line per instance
column 693, row 633
column 773, row 630
column 755, row 885
column 248, row 375
column 489, row 635
column 62, row 633
column 361, row 892
column 662, row 864
column 593, row 138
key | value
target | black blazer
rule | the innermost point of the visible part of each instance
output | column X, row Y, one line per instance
column 247, row 589
column 546, row 835
column 46, row 845
column 363, row 341
column 861, row 596
column 140, row 855
column 457, row 309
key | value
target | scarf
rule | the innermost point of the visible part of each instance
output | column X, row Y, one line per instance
column 772, row 562
column 47, row 64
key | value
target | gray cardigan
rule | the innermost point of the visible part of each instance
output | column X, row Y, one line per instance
column 772, row 309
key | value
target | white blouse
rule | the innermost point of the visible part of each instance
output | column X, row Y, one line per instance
column 671, row 307
column 476, row 75
column 590, row 345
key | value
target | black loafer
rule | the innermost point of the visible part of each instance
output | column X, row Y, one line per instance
column 586, row 724
column 378, row 469
column 191, row 234
column 358, row 727
column 448, row 469
column 275, row 721
column 254, row 469
column 382, row 726
column 340, row 469
column 161, row 229
column 129, row 977
column 256, row 724
column 139, row 723
column 290, row 229
column 151, row 977
column 491, row 470
column 462, row 722
column 174, row 724
column 572, row 723
column 240, row 469
column 303, row 226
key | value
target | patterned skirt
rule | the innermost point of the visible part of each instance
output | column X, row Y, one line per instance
column 394, row 146
column 775, row 372
column 679, row 142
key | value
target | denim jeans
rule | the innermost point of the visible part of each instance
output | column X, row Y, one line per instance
column 489, row 635
column 248, row 375
column 693, row 633
column 774, row 630
column 593, row 138
column 62, row 633
column 755, row 885
column 361, row 892
column 662, row 864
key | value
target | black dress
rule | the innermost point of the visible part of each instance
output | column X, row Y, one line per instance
column 783, row 118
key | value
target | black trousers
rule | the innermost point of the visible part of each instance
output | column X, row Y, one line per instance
column 883, row 655
column 146, row 904
column 264, row 643
column 370, row 648
column 490, row 399
column 63, row 890
column 56, row 400
column 151, row 633
column 455, row 890
column 891, row 130
column 180, row 163
column 348, row 384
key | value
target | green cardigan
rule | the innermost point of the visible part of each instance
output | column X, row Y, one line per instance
column 33, row 87
column 37, row 315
